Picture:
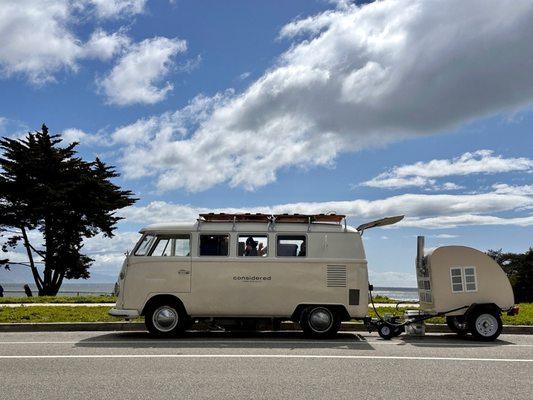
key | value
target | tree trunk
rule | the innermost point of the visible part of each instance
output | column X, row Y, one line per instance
column 34, row 271
column 48, row 291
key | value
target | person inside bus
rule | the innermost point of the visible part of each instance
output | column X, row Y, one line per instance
column 251, row 247
column 262, row 250
column 301, row 253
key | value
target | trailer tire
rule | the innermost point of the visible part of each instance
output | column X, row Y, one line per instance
column 387, row 331
column 166, row 319
column 485, row 325
column 320, row 322
column 457, row 324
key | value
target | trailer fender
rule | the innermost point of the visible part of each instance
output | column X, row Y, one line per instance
column 475, row 307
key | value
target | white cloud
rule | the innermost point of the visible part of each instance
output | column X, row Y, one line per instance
column 502, row 188
column 35, row 39
column 116, row 8
column 353, row 78
column 85, row 139
column 423, row 173
column 421, row 210
column 444, row 236
column 465, row 220
column 136, row 77
column 38, row 38
column 105, row 46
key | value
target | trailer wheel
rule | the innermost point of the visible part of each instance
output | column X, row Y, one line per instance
column 319, row 322
column 387, row 331
column 485, row 325
column 166, row 320
column 457, row 325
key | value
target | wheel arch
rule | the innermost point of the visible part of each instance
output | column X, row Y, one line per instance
column 338, row 309
column 479, row 307
column 160, row 299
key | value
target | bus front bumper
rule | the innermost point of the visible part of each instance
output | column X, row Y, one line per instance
column 115, row 312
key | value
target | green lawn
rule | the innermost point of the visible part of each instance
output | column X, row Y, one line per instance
column 59, row 299
column 99, row 314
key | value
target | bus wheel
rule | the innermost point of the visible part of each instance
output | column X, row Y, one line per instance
column 457, row 325
column 319, row 322
column 165, row 320
column 485, row 325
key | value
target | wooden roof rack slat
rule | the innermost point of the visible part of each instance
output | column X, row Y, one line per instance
column 259, row 217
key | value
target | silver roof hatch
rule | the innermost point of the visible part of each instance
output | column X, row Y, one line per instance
column 379, row 222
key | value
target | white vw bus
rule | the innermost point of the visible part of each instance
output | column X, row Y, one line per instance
column 232, row 269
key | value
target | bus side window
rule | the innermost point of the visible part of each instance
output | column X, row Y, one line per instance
column 143, row 247
column 291, row 246
column 163, row 248
column 214, row 245
column 252, row 246
column 182, row 246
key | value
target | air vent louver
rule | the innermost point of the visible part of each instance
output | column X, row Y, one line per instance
column 336, row 276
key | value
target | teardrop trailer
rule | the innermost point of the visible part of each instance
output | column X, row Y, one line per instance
column 248, row 270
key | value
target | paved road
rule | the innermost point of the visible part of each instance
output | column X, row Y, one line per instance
column 126, row 365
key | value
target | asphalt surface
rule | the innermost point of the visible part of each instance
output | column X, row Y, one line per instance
column 266, row 365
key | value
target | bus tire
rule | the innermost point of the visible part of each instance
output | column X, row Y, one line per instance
column 485, row 324
column 166, row 319
column 319, row 322
column 457, row 324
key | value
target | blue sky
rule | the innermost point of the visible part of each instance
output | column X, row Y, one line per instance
column 302, row 106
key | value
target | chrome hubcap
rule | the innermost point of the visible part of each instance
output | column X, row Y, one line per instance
column 165, row 318
column 486, row 325
column 320, row 319
column 385, row 330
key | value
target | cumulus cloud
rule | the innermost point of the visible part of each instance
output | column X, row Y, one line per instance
column 37, row 37
column 136, row 76
column 115, row 8
column 352, row 78
column 105, row 46
column 421, row 210
column 85, row 139
column 424, row 173
column 503, row 188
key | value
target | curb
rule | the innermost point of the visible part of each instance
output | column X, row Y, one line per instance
column 139, row 326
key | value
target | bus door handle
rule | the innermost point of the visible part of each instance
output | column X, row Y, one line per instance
column 184, row 272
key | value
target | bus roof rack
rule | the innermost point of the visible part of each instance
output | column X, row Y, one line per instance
column 259, row 217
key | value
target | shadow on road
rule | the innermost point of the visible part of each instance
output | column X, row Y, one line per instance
column 227, row 340
column 448, row 340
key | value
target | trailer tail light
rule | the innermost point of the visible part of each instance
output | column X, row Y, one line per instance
column 513, row 311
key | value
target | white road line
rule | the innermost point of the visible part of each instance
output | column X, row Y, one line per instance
column 279, row 342
column 276, row 356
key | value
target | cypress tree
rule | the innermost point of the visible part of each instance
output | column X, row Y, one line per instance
column 49, row 188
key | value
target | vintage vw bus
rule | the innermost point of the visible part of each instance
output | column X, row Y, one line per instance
column 229, row 269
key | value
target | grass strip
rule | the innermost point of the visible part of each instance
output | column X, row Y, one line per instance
column 99, row 314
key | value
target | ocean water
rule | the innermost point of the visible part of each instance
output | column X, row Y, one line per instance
column 70, row 289
column 77, row 289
